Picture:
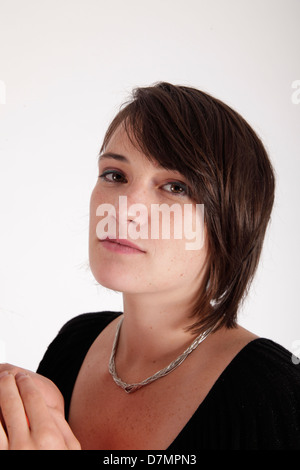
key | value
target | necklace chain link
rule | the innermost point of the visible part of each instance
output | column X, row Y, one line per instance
column 130, row 388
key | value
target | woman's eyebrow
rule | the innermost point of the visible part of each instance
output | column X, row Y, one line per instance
column 122, row 158
column 115, row 156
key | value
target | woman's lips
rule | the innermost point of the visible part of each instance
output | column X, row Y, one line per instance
column 121, row 246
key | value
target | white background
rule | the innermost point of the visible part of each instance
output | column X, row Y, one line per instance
column 67, row 65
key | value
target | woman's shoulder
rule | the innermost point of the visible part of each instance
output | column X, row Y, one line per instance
column 266, row 370
column 262, row 387
column 88, row 322
column 65, row 354
column 267, row 361
column 254, row 403
column 76, row 336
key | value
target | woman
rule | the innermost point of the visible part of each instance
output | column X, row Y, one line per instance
column 170, row 145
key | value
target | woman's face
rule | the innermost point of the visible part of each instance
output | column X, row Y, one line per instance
column 161, row 262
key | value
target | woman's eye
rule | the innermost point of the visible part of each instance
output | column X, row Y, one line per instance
column 113, row 176
column 176, row 188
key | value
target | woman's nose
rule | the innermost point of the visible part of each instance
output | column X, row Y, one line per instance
column 131, row 217
column 137, row 194
column 133, row 210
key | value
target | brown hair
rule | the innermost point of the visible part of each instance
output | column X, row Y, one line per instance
column 229, row 171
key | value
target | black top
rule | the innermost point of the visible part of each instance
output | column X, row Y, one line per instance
column 254, row 404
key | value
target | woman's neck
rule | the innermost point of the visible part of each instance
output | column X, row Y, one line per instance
column 153, row 329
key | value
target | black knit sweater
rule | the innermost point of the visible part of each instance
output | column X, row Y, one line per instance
column 254, row 404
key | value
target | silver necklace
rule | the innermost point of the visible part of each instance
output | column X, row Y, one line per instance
column 129, row 388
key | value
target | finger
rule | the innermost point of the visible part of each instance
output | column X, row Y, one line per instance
column 51, row 393
column 35, row 406
column 5, row 367
column 42, row 418
column 71, row 441
column 3, row 435
column 12, row 409
column 3, row 439
column 44, row 432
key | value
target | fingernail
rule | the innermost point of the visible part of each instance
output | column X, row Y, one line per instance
column 21, row 375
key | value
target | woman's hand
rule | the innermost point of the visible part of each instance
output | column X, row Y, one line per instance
column 32, row 413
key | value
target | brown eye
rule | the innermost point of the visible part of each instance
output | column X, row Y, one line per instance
column 176, row 188
column 113, row 176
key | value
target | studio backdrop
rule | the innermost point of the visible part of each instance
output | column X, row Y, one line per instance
column 65, row 67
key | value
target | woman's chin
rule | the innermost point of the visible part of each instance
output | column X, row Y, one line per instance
column 114, row 282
